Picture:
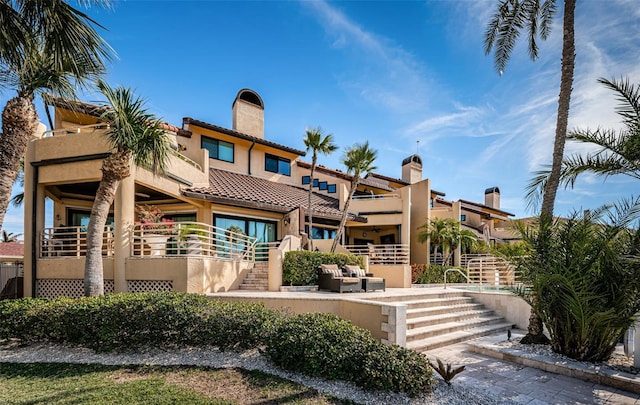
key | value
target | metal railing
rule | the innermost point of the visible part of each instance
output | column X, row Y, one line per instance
column 376, row 197
column 72, row 241
column 492, row 271
column 191, row 239
column 447, row 271
column 262, row 250
column 382, row 254
column 156, row 239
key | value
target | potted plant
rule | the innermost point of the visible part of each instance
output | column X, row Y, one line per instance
column 156, row 230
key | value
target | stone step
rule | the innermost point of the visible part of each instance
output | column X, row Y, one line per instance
column 450, row 327
column 426, row 296
column 253, row 287
column 257, row 276
column 445, row 309
column 437, row 302
column 424, row 345
column 446, row 318
column 255, row 282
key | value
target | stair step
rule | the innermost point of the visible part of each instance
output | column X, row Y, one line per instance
column 458, row 316
column 435, row 296
column 438, row 302
column 255, row 282
column 424, row 345
column 258, row 276
column 445, row 309
column 449, row 327
column 253, row 288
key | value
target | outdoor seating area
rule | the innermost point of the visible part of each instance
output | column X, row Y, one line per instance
column 347, row 279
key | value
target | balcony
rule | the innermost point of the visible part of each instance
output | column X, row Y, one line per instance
column 386, row 255
column 384, row 203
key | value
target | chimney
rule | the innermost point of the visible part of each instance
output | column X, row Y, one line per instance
column 412, row 169
column 248, row 113
column 492, row 197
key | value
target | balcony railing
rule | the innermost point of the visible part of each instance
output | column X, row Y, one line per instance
column 159, row 240
column 191, row 239
column 69, row 241
column 382, row 254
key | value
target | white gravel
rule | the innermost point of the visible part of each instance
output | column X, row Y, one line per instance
column 249, row 360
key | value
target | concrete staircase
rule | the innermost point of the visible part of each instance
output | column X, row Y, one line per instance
column 258, row 278
column 443, row 318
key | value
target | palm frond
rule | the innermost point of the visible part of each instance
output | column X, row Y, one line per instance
column 535, row 189
column 628, row 96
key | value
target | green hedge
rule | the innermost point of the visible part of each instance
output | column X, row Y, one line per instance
column 434, row 274
column 299, row 267
column 129, row 321
column 324, row 345
column 315, row 344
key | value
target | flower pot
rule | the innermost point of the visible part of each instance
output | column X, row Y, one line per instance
column 157, row 243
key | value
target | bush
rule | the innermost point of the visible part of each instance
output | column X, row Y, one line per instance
column 129, row 321
column 324, row 345
column 585, row 281
column 300, row 266
column 434, row 274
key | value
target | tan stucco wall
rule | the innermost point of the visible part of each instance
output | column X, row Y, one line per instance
column 366, row 314
column 420, row 214
column 69, row 268
column 509, row 306
column 396, row 276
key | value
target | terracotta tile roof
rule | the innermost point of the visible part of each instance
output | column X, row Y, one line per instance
column 11, row 249
column 487, row 207
column 202, row 124
column 248, row 191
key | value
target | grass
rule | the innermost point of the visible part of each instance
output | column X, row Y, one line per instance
column 61, row 383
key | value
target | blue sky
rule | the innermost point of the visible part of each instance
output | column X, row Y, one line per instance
column 393, row 73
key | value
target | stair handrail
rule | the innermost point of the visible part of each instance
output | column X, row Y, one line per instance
column 454, row 269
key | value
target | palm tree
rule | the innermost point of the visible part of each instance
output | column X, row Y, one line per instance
column 437, row 231
column 535, row 17
column 44, row 46
column 9, row 237
column 358, row 159
column 135, row 134
column 619, row 151
column 317, row 142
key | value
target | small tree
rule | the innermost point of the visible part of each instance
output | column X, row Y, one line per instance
column 358, row 159
column 317, row 142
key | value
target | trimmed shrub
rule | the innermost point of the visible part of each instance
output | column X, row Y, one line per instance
column 323, row 345
column 299, row 267
column 434, row 274
column 129, row 321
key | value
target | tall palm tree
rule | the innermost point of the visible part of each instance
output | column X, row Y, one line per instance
column 437, row 231
column 135, row 135
column 535, row 17
column 44, row 46
column 358, row 160
column 316, row 142
column 618, row 152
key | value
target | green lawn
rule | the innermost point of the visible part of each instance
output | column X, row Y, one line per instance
column 57, row 383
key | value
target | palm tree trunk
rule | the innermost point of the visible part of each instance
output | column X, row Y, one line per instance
column 345, row 212
column 310, row 207
column 534, row 330
column 564, row 101
column 19, row 122
column 114, row 169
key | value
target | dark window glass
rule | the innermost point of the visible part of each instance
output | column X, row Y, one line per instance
column 331, row 188
column 277, row 164
column 322, row 185
column 463, row 217
column 315, row 182
column 219, row 150
column 306, row 179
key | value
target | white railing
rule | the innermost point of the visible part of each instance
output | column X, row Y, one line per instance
column 377, row 197
column 262, row 250
column 191, row 239
column 159, row 240
column 492, row 271
column 382, row 254
column 71, row 241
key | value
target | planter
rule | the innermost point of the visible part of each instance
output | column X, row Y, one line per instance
column 157, row 243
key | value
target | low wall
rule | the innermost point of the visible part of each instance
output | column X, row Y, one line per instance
column 509, row 306
column 386, row 321
column 396, row 276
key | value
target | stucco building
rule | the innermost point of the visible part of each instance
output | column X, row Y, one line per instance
column 246, row 194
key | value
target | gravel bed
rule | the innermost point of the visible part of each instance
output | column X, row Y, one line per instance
column 249, row 360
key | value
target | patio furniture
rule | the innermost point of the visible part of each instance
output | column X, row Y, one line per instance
column 368, row 280
column 331, row 278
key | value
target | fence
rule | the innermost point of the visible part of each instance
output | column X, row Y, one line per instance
column 382, row 254
column 11, row 279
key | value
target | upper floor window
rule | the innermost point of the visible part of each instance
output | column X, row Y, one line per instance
column 277, row 164
column 219, row 150
column 463, row 218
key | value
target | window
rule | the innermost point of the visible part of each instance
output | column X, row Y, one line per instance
column 322, row 185
column 463, row 217
column 315, row 182
column 219, row 150
column 306, row 179
column 331, row 188
column 277, row 164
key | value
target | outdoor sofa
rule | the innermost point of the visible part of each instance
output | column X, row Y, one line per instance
column 368, row 280
column 331, row 278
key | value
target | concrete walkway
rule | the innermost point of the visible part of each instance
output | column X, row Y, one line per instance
column 509, row 382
